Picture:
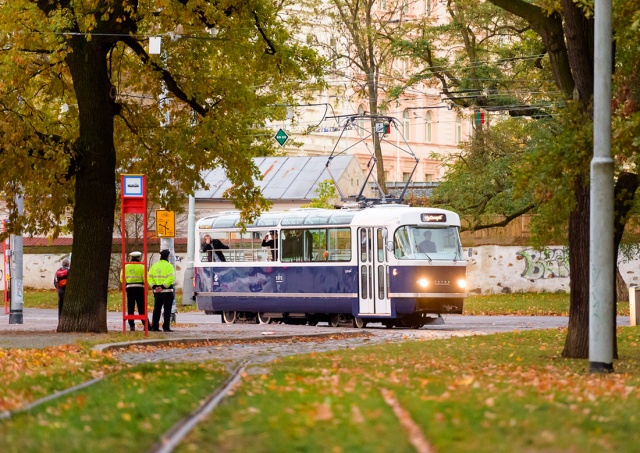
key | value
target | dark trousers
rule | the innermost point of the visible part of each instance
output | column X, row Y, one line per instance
column 60, row 301
column 162, row 301
column 135, row 296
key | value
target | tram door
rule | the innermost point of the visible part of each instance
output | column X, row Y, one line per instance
column 373, row 271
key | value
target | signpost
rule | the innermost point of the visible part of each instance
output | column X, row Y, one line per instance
column 281, row 137
column 134, row 201
column 165, row 223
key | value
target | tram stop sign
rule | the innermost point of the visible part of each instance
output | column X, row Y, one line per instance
column 281, row 137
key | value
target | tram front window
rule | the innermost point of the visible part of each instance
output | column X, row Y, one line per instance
column 425, row 243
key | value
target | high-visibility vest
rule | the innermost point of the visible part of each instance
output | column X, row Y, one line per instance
column 162, row 273
column 133, row 275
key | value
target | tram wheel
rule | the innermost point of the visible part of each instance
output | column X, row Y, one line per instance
column 334, row 320
column 388, row 324
column 312, row 320
column 262, row 319
column 228, row 317
column 358, row 322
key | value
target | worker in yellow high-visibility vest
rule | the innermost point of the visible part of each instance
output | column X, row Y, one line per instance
column 161, row 278
column 134, row 281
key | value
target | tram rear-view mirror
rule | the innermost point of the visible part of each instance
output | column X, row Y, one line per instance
column 390, row 246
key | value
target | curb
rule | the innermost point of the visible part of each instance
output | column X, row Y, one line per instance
column 186, row 340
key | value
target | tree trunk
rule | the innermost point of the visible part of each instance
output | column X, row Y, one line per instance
column 577, row 344
column 85, row 304
column 372, row 88
column 623, row 196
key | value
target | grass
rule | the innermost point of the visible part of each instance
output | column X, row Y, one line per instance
column 127, row 411
column 498, row 393
column 525, row 304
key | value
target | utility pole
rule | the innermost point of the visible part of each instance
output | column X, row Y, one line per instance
column 15, row 313
column 187, row 287
column 601, row 253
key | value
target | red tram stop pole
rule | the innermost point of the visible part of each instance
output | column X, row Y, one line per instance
column 134, row 201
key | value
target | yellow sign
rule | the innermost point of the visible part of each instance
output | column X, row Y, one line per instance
column 165, row 224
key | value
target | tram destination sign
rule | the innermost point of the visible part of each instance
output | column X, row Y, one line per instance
column 433, row 217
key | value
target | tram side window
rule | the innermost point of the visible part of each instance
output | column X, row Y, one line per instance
column 292, row 246
column 318, row 244
column 339, row 241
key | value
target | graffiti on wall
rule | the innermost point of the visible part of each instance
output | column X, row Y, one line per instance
column 545, row 263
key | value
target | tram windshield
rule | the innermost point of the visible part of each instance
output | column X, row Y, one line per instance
column 425, row 243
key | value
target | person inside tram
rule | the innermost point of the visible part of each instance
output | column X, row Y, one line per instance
column 427, row 245
column 210, row 246
column 271, row 240
column 292, row 246
column 207, row 247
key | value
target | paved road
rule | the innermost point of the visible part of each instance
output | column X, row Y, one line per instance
column 46, row 320
column 38, row 329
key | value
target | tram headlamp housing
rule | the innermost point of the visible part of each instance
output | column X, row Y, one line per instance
column 462, row 283
column 423, row 282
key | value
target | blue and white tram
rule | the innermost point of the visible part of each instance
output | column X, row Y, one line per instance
column 392, row 264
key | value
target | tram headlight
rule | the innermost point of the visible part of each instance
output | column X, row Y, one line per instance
column 423, row 282
column 462, row 283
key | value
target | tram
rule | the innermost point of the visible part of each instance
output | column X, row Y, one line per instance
column 389, row 263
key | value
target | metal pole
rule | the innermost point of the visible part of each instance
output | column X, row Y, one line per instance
column 15, row 312
column 601, row 253
column 187, row 287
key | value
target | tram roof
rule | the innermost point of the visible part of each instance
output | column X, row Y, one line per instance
column 376, row 215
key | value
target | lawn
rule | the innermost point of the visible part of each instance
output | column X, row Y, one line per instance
column 525, row 304
column 498, row 393
column 126, row 411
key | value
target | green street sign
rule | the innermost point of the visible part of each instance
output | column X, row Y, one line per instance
column 281, row 137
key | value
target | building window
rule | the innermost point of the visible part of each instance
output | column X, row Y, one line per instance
column 362, row 122
column 458, row 131
column 406, row 124
column 428, row 177
column 427, row 7
column 383, row 5
column 405, row 176
column 427, row 127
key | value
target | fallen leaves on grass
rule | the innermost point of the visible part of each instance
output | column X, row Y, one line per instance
column 20, row 367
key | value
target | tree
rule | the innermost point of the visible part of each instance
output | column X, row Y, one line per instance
column 361, row 48
column 556, row 166
column 82, row 100
column 326, row 195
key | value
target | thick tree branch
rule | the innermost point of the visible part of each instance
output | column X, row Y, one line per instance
column 168, row 79
column 502, row 223
column 549, row 27
column 271, row 49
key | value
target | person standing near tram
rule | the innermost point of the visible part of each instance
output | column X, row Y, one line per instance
column 60, row 282
column 161, row 278
column 134, row 281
